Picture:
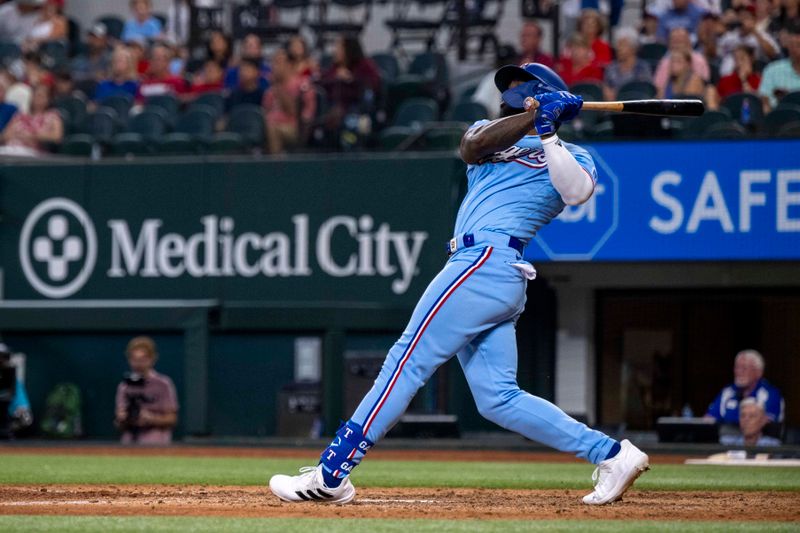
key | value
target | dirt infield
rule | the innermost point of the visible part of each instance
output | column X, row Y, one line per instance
column 170, row 500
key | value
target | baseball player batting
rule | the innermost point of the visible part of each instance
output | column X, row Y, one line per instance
column 520, row 177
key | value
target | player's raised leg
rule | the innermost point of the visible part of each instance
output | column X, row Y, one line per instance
column 490, row 365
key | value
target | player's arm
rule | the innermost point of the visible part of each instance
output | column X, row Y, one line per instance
column 495, row 136
column 569, row 178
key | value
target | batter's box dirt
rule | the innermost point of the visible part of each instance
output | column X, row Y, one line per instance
column 232, row 501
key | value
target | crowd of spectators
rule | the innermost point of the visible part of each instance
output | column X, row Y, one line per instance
column 701, row 50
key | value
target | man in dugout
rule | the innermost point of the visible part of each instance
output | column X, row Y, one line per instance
column 146, row 404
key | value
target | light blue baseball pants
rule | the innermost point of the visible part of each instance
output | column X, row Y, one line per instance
column 470, row 309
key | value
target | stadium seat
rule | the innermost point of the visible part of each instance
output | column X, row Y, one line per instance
column 782, row 115
column 643, row 88
column 735, row 103
column 481, row 23
column 417, row 21
column 427, row 75
column 416, row 112
column 652, row 53
column 604, row 131
column 248, row 121
column 198, row 122
column 121, row 103
column 74, row 108
column 79, row 144
column 102, row 124
column 347, row 18
column 388, row 65
column 54, row 54
column 430, row 66
column 467, row 94
column 285, row 18
column 149, row 124
column 444, row 136
column 114, row 25
column 227, row 143
column 129, row 143
column 215, row 101
column 725, row 130
column 591, row 92
column 791, row 98
column 469, row 112
column 165, row 101
column 790, row 130
column 393, row 136
column 178, row 144
column 694, row 128
column 9, row 52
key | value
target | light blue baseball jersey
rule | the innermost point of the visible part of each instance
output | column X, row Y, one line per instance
column 510, row 191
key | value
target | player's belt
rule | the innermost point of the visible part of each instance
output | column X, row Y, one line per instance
column 468, row 240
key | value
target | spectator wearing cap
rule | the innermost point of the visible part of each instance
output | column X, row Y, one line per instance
column 159, row 80
column 627, row 67
column 249, row 90
column 684, row 14
column 28, row 134
column 752, row 420
column 783, row 76
column 51, row 25
column 289, row 103
column 17, row 19
column 250, row 49
column 743, row 79
column 123, row 78
column 577, row 64
column 592, row 25
column 680, row 41
column 530, row 42
column 764, row 46
column 93, row 64
column 748, row 382
column 142, row 22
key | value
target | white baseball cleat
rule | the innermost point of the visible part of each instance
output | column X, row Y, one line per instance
column 613, row 476
column 309, row 486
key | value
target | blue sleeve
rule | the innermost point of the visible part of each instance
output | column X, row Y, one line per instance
column 714, row 408
column 584, row 159
column 156, row 27
column 127, row 31
column 774, row 406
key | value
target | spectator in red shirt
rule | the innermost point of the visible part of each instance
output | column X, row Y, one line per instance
column 743, row 78
column 577, row 64
column 530, row 41
column 289, row 103
column 591, row 25
column 158, row 79
column 210, row 79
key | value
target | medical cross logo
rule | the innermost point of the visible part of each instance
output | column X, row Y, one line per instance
column 57, row 248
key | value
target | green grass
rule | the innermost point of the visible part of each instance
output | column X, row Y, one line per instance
column 43, row 469
column 91, row 524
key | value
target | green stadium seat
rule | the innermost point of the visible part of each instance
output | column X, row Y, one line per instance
column 248, row 121
column 129, row 143
column 9, row 52
column 652, row 53
column 178, row 144
column 214, row 101
column 393, row 136
column 591, row 92
column 114, row 25
column 725, row 130
column 388, row 65
column 603, row 131
column 643, row 88
column 74, row 108
column 444, row 136
column 790, row 130
column 469, row 112
column 416, row 112
column 467, row 94
column 79, row 144
column 149, row 124
column 167, row 102
column 775, row 120
column 736, row 102
column 694, row 128
column 197, row 122
column 102, row 124
column 226, row 143
column 54, row 54
column 792, row 98
column 121, row 103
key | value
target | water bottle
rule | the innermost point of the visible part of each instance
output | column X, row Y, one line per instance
column 687, row 412
column 745, row 114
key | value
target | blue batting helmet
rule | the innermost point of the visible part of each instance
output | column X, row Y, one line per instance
column 538, row 79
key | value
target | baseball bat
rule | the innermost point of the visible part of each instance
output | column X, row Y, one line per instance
column 664, row 108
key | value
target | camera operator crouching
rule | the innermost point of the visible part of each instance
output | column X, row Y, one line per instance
column 146, row 406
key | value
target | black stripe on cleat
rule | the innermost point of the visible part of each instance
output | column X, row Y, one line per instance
column 313, row 495
column 323, row 493
column 302, row 496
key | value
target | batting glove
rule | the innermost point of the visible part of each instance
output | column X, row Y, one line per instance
column 555, row 108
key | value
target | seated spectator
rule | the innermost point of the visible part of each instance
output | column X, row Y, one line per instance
column 142, row 24
column 209, row 79
column 708, row 34
column 348, row 80
column 64, row 85
column 682, row 80
column 743, row 78
column 684, row 14
column 288, row 104
column 94, row 62
column 159, row 80
column 123, row 79
column 7, row 109
column 780, row 24
column 591, row 25
column 50, row 26
column 146, row 403
column 251, row 49
column 219, row 48
column 577, row 64
column 627, row 67
column 530, row 42
column 648, row 29
column 17, row 19
column 783, row 76
column 680, row 41
column 301, row 59
column 28, row 133
column 763, row 45
column 752, row 420
column 748, row 382
column 249, row 90
column 137, row 46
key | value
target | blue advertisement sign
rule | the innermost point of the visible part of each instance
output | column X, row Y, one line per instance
column 683, row 201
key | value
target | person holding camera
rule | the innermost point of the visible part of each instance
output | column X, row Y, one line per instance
column 146, row 403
